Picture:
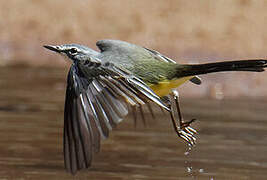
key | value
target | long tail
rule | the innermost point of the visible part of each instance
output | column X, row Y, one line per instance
column 256, row 65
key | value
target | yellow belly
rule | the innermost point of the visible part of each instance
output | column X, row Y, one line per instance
column 164, row 88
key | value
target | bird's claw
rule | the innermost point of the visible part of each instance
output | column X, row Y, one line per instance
column 187, row 133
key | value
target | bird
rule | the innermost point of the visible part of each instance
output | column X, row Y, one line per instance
column 103, row 85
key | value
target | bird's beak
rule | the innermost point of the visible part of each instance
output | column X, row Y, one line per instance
column 53, row 48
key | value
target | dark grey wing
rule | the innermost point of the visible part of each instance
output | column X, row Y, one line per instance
column 159, row 56
column 133, row 83
column 79, row 140
column 93, row 106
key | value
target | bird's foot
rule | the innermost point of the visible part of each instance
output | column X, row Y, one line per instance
column 186, row 132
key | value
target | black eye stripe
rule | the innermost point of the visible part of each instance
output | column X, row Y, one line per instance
column 72, row 51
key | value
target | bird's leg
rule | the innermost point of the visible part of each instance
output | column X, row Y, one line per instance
column 182, row 128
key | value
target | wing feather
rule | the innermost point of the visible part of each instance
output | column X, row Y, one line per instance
column 127, row 93
column 99, row 114
column 117, row 104
column 92, row 122
column 76, row 144
column 135, row 84
column 94, row 105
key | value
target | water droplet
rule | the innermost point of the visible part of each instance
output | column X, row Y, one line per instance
column 186, row 153
column 189, row 169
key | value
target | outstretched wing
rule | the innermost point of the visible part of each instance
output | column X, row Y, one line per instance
column 94, row 106
column 78, row 137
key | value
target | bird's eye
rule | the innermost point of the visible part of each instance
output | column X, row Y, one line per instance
column 73, row 51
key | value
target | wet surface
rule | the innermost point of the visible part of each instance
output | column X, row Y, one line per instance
column 232, row 140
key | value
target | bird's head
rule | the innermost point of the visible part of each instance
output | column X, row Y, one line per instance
column 75, row 52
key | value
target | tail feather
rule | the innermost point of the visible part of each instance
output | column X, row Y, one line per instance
column 256, row 65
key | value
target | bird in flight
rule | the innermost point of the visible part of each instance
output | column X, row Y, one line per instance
column 101, row 86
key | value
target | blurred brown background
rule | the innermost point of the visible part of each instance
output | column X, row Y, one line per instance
column 187, row 31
